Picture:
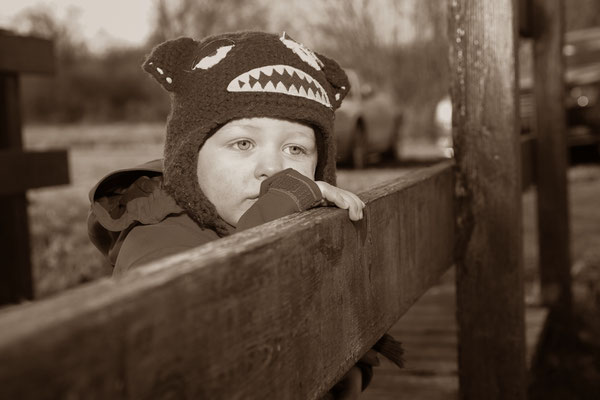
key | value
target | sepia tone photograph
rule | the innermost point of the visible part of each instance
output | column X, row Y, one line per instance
column 300, row 199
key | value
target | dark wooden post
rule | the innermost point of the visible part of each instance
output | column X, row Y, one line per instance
column 20, row 170
column 552, row 158
column 490, row 306
column 16, row 283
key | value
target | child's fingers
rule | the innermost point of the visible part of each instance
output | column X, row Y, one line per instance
column 343, row 199
column 337, row 197
column 355, row 205
column 332, row 194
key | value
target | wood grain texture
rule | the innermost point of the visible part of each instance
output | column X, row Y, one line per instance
column 20, row 171
column 16, row 283
column 552, row 205
column 279, row 311
column 483, row 35
column 26, row 54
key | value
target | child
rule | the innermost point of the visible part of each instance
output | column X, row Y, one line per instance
column 246, row 106
column 249, row 139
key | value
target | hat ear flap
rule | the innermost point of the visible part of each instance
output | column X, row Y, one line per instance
column 338, row 79
column 167, row 62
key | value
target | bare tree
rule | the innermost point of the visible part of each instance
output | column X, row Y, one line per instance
column 400, row 45
column 43, row 22
column 199, row 18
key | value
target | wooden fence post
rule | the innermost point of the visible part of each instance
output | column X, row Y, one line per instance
column 490, row 306
column 552, row 195
column 20, row 170
column 16, row 283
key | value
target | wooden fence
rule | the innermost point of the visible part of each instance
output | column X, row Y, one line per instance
column 283, row 310
column 21, row 170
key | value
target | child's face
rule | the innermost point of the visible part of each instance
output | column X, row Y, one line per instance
column 234, row 161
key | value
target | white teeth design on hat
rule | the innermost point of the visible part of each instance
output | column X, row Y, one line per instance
column 268, row 70
column 269, row 87
column 255, row 73
column 302, row 92
column 264, row 79
column 290, row 70
column 280, row 88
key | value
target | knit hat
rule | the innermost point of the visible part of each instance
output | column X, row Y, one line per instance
column 240, row 75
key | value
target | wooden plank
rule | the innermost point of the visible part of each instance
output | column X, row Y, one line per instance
column 25, row 54
column 10, row 112
column 279, row 311
column 552, row 195
column 16, row 281
column 483, row 37
column 20, row 171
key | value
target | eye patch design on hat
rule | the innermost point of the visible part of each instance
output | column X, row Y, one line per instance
column 283, row 79
column 212, row 60
column 305, row 54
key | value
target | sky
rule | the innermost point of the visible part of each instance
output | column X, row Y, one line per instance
column 102, row 22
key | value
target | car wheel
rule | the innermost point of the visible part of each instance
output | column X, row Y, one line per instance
column 393, row 152
column 359, row 147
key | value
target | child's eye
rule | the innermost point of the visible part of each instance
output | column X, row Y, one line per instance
column 243, row 145
column 295, row 150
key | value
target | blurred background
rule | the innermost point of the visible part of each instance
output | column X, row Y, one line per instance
column 109, row 114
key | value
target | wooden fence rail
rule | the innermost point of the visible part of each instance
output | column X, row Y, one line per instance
column 275, row 312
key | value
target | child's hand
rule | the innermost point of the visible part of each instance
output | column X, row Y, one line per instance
column 343, row 199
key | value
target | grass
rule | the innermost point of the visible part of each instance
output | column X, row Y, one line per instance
column 82, row 136
column 62, row 255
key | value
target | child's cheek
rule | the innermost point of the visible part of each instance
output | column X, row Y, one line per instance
column 305, row 166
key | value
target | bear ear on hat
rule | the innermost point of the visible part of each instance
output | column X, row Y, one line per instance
column 338, row 79
column 167, row 61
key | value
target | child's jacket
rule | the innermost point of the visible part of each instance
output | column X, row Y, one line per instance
column 133, row 221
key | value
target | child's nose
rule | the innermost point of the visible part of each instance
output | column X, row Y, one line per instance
column 268, row 164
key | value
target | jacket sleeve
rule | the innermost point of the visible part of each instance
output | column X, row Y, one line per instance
column 282, row 194
column 146, row 243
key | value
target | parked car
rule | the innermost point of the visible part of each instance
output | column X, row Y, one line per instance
column 367, row 124
column 582, row 95
column 582, row 91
